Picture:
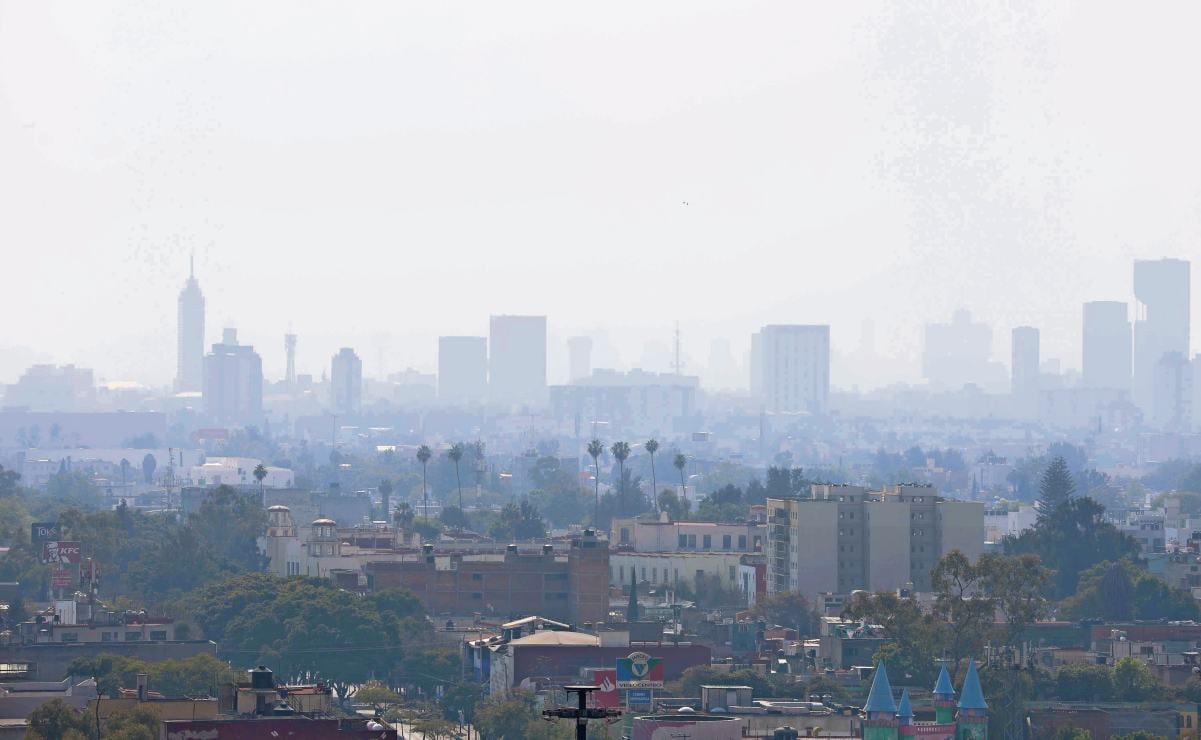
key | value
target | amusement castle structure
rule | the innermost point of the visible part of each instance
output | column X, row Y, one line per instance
column 967, row 719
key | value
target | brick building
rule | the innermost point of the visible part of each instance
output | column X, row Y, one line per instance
column 572, row 587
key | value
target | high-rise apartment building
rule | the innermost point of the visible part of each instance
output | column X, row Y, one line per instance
column 346, row 382
column 795, row 368
column 517, row 359
column 1025, row 370
column 1161, row 325
column 189, row 372
column 462, row 369
column 1106, row 346
column 843, row 538
column 233, row 382
column 579, row 358
column 1172, row 393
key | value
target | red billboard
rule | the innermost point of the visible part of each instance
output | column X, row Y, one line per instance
column 57, row 551
column 607, row 697
column 61, row 578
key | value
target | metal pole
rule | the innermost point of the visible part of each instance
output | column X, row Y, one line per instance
column 581, row 723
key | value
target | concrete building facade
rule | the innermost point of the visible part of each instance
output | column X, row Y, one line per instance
column 346, row 382
column 794, row 368
column 844, row 538
column 462, row 369
column 1106, row 346
column 517, row 360
column 233, row 382
column 1161, row 325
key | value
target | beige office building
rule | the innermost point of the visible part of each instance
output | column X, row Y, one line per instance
column 844, row 538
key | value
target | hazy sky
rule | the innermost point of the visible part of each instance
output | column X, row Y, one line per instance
column 376, row 174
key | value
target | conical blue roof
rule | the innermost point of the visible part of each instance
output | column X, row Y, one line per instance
column 905, row 710
column 943, row 688
column 879, row 698
column 972, row 696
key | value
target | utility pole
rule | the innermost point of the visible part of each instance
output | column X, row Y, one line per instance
column 677, row 364
column 581, row 713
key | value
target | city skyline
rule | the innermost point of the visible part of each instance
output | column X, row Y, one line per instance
column 769, row 228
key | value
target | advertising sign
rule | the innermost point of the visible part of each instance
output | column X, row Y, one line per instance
column 42, row 531
column 639, row 671
column 57, row 551
column 61, row 578
column 607, row 697
column 639, row 697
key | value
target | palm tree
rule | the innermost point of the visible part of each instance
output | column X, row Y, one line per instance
column 621, row 450
column 680, row 462
column 455, row 453
column 423, row 454
column 596, row 448
column 259, row 474
column 652, row 446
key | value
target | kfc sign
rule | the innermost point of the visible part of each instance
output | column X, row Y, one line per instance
column 57, row 551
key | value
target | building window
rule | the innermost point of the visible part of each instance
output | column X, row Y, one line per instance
column 700, row 576
column 644, row 572
column 725, row 541
column 841, row 515
column 133, row 636
column 692, row 541
column 158, row 635
column 707, row 542
column 625, row 535
column 683, row 541
column 742, row 542
column 68, row 637
column 733, row 577
column 621, row 573
column 654, row 575
column 108, row 637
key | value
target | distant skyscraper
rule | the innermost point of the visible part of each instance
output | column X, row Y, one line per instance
column 346, row 382
column 1172, row 393
column 1025, row 369
column 1161, row 325
column 462, row 369
column 795, row 368
column 958, row 354
column 233, row 382
column 755, row 365
column 189, row 372
column 290, row 352
column 1106, row 346
column 579, row 358
column 517, row 359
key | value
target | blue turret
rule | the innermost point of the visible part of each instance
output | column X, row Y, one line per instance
column 944, row 698
column 972, row 696
column 972, row 719
column 879, row 698
column 905, row 710
column 943, row 689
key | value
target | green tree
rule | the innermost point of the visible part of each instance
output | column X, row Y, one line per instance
column 596, row 448
column 423, row 456
column 148, row 466
column 518, row 522
column 134, row 723
column 453, row 517
column 789, row 609
column 1055, row 489
column 8, row 481
column 385, row 498
column 676, row 507
column 621, row 451
column 57, row 720
column 455, row 453
column 1084, row 682
column 1133, row 681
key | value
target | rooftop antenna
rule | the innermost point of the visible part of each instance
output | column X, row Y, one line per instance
column 677, row 364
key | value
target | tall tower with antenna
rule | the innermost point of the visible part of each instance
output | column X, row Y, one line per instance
column 290, row 351
column 189, row 373
column 677, row 363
